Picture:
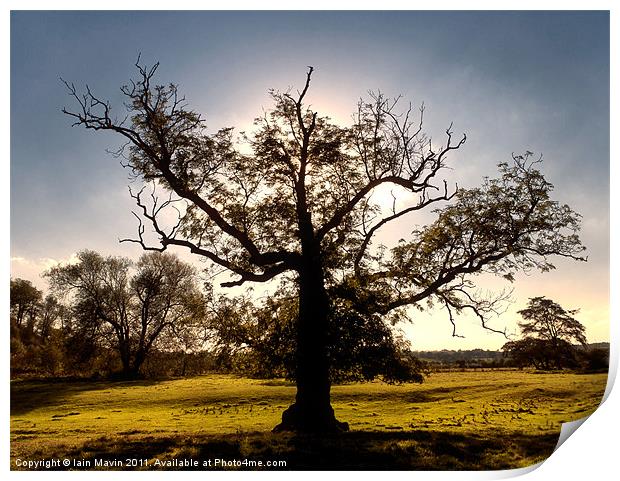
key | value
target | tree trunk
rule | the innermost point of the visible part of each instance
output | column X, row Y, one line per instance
column 184, row 365
column 125, row 359
column 138, row 360
column 312, row 411
column 20, row 315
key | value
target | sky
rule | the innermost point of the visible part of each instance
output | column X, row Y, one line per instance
column 513, row 81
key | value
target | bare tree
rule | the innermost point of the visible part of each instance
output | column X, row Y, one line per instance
column 300, row 204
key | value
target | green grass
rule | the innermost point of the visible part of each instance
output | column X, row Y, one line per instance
column 460, row 420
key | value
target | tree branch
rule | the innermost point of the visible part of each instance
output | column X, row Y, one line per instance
column 170, row 239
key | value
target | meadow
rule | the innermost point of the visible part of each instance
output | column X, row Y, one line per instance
column 454, row 420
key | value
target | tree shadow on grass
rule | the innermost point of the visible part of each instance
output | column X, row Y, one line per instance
column 357, row 450
column 33, row 394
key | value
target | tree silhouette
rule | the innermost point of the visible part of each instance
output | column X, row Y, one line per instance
column 549, row 333
column 545, row 319
column 299, row 199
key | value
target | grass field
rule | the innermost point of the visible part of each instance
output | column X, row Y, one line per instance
column 459, row 420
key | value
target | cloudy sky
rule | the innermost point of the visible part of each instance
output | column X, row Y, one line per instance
column 513, row 81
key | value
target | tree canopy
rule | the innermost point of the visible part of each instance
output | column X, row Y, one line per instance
column 243, row 211
column 545, row 319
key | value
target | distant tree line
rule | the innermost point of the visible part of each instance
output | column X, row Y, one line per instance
column 590, row 358
column 111, row 317
column 455, row 359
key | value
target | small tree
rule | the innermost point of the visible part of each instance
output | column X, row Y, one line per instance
column 127, row 311
column 261, row 341
column 549, row 334
column 51, row 313
column 297, row 200
column 25, row 302
column 546, row 319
